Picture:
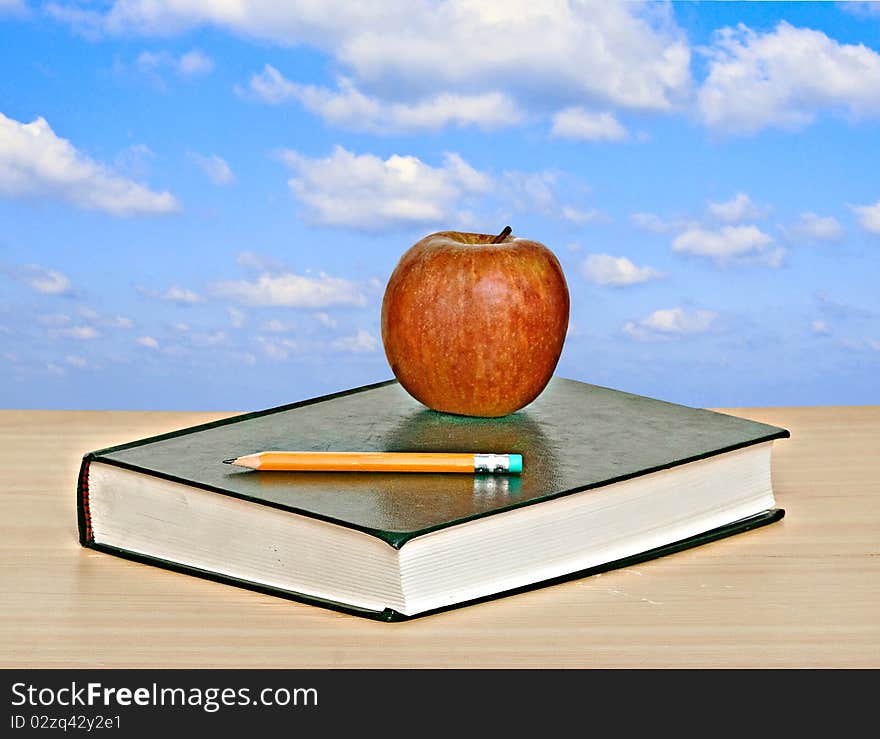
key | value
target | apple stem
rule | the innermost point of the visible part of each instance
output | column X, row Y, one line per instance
column 503, row 235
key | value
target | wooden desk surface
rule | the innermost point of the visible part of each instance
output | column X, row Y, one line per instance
column 804, row 592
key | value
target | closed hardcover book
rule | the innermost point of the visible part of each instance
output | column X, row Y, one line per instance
column 608, row 479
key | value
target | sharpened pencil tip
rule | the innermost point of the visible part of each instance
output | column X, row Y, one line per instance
column 229, row 461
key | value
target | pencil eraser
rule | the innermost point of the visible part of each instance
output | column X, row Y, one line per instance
column 514, row 462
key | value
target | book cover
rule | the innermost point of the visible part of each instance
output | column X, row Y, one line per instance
column 574, row 437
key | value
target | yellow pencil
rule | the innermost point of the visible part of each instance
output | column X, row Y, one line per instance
column 380, row 462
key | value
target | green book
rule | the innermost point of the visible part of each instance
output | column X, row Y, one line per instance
column 608, row 479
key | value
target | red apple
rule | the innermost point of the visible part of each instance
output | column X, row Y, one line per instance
column 474, row 324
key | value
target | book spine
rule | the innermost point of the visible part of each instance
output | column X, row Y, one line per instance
column 84, row 518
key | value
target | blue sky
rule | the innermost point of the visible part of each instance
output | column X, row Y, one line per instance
column 201, row 202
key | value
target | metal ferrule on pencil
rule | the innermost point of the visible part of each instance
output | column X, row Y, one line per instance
column 497, row 463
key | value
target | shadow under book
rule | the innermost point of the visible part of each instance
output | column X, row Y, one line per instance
column 609, row 479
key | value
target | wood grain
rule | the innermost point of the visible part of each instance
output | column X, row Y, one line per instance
column 804, row 592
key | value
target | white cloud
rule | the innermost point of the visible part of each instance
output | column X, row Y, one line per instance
column 655, row 224
column 277, row 348
column 784, row 77
column 865, row 9
column 174, row 294
column 361, row 343
column 55, row 319
column 812, row 227
column 738, row 209
column 148, row 61
column 236, row 317
column 74, row 360
column 604, row 269
column 581, row 217
column 43, row 280
column 272, row 87
column 259, row 262
column 578, row 123
column 34, row 162
column 369, row 193
column 87, row 312
column 869, row 216
column 538, row 192
column 741, row 244
column 819, row 327
column 325, row 319
column 147, row 341
column 629, row 55
column 203, row 339
column 13, row 7
column 730, row 245
column 861, row 344
column 215, row 167
column 348, row 107
column 670, row 323
column 842, row 310
column 80, row 333
column 276, row 326
column 120, row 322
column 134, row 160
column 181, row 295
column 62, row 319
column 192, row 64
column 291, row 290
